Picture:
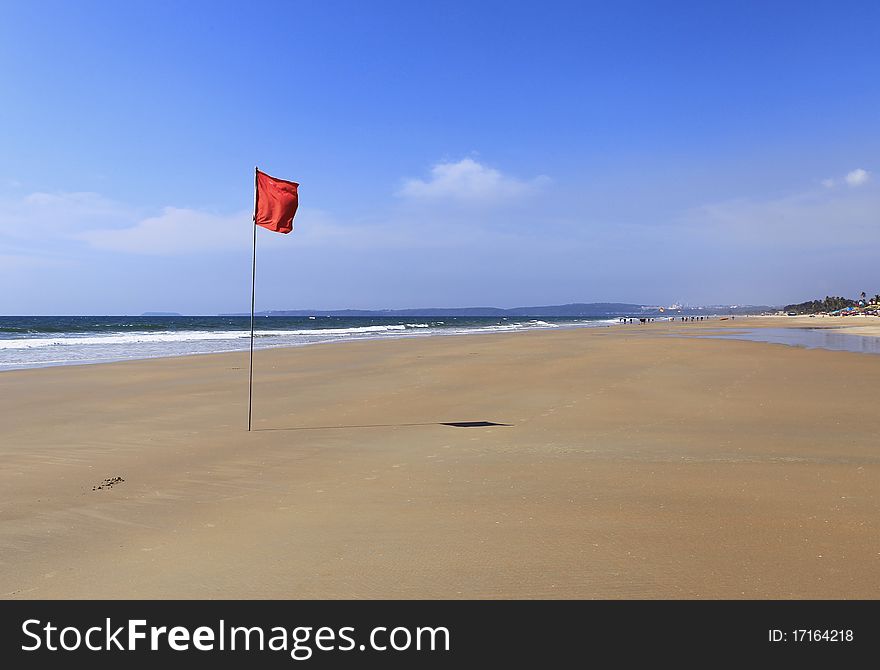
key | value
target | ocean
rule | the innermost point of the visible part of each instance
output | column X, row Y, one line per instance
column 40, row 341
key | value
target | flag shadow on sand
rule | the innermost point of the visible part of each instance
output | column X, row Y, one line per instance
column 453, row 424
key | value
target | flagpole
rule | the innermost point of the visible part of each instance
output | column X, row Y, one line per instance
column 253, row 295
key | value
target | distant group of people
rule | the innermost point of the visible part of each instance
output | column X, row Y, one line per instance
column 627, row 319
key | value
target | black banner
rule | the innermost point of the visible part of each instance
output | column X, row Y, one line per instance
column 430, row 633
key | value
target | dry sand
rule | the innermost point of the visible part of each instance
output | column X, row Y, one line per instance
column 634, row 465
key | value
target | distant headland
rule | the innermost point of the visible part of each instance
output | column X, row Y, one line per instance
column 592, row 309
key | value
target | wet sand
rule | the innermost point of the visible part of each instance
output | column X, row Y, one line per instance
column 872, row 330
column 632, row 465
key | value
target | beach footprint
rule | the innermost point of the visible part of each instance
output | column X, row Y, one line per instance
column 108, row 483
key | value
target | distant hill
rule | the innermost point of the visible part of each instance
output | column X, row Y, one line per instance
column 161, row 314
column 592, row 309
column 578, row 309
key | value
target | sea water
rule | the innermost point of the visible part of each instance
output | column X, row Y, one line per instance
column 38, row 341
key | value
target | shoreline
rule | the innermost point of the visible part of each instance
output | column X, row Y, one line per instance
column 755, row 321
column 360, row 338
column 617, row 463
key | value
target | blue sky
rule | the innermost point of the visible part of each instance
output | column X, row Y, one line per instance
column 449, row 154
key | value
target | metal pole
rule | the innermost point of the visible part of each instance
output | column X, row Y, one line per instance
column 253, row 294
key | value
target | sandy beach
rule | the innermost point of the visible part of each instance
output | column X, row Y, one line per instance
column 630, row 464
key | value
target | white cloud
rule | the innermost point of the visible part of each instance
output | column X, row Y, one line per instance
column 38, row 222
column 182, row 231
column 61, row 225
column 64, row 224
column 820, row 218
column 468, row 180
column 38, row 215
column 175, row 231
column 9, row 262
column 857, row 177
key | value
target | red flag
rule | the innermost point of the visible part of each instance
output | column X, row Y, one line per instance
column 275, row 202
